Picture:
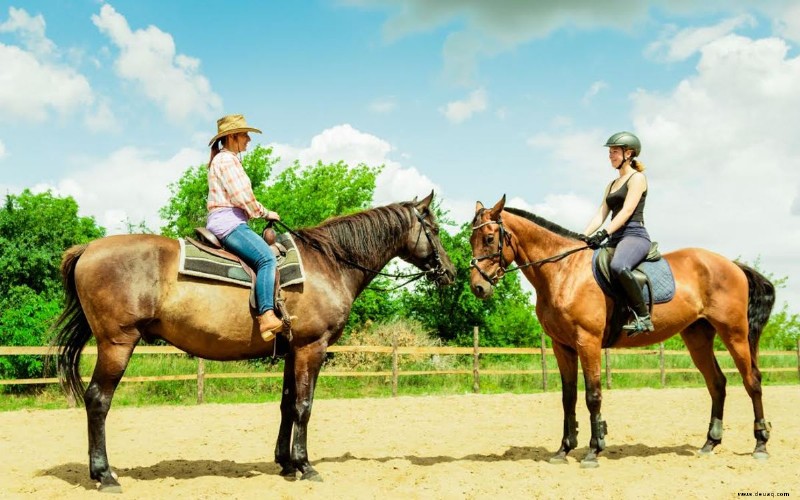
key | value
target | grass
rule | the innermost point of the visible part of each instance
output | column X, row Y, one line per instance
column 259, row 390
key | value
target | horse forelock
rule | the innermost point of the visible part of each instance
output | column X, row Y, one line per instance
column 362, row 237
column 540, row 221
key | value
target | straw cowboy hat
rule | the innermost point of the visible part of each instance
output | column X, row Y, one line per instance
column 232, row 124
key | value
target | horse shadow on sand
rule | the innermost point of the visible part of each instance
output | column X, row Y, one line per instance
column 77, row 474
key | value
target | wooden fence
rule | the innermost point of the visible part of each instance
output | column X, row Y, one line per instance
column 396, row 351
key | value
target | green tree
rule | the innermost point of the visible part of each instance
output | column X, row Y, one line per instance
column 505, row 319
column 35, row 229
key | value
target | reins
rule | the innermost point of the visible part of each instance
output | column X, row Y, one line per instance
column 504, row 235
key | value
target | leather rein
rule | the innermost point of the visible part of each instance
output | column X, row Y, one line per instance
column 503, row 267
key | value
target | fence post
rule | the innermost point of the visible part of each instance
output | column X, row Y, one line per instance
column 544, row 363
column 476, row 378
column 608, row 369
column 201, row 379
column 661, row 364
column 394, row 365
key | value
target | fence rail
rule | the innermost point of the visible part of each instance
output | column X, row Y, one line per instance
column 395, row 351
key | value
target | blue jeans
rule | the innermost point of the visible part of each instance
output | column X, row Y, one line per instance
column 251, row 248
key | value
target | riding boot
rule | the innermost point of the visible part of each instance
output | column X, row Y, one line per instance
column 269, row 325
column 641, row 322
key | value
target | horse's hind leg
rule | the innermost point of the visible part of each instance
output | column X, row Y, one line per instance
column 735, row 339
column 699, row 339
column 288, row 396
column 112, row 359
column 568, row 366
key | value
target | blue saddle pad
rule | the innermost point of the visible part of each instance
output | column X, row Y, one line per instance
column 659, row 273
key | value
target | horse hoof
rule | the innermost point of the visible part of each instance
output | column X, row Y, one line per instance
column 760, row 455
column 288, row 472
column 590, row 463
column 558, row 460
column 109, row 488
column 703, row 452
column 311, row 475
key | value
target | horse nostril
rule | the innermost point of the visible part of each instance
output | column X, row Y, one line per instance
column 478, row 290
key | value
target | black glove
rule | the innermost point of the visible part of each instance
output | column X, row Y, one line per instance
column 596, row 240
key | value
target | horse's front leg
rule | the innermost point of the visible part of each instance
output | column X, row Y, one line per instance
column 589, row 352
column 288, row 396
column 307, row 364
column 568, row 366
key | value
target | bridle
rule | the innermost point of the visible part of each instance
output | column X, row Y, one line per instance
column 437, row 270
column 502, row 268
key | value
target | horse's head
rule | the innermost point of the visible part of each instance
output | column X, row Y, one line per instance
column 423, row 247
column 491, row 249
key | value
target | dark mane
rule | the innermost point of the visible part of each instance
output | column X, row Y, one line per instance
column 361, row 237
column 551, row 226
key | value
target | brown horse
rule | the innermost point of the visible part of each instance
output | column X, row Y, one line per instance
column 126, row 288
column 713, row 296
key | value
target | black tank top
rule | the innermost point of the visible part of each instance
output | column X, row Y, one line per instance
column 616, row 199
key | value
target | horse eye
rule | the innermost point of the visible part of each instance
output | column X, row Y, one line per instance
column 490, row 239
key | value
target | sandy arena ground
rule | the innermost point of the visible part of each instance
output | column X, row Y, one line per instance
column 470, row 446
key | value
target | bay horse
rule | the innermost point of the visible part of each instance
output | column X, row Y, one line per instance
column 126, row 288
column 713, row 296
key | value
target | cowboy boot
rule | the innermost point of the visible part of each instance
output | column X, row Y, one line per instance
column 641, row 321
column 269, row 325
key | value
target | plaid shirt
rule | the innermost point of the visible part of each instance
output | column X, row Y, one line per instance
column 229, row 186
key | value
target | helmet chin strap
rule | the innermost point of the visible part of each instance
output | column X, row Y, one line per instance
column 622, row 162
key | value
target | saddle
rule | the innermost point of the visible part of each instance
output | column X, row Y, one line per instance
column 208, row 242
column 653, row 276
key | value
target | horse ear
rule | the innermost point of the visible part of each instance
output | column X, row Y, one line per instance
column 498, row 207
column 424, row 204
column 478, row 206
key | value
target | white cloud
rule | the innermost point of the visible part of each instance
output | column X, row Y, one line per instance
column 720, row 150
column 32, row 83
column 345, row 143
column 128, row 186
column 594, row 89
column 30, row 29
column 459, row 111
column 101, row 119
column 2, row 150
column 383, row 105
column 686, row 42
column 787, row 23
column 148, row 57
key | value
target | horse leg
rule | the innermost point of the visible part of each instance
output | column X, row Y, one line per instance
column 735, row 339
column 699, row 339
column 307, row 364
column 112, row 359
column 283, row 446
column 568, row 367
column 589, row 353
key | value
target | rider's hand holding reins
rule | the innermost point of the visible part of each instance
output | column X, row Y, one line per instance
column 596, row 240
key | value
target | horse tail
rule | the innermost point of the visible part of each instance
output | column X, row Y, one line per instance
column 72, row 330
column 761, row 293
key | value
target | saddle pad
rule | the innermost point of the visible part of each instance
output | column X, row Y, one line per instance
column 197, row 262
column 659, row 273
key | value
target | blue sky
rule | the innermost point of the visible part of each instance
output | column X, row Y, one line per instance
column 110, row 102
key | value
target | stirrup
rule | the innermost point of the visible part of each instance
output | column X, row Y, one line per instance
column 639, row 325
